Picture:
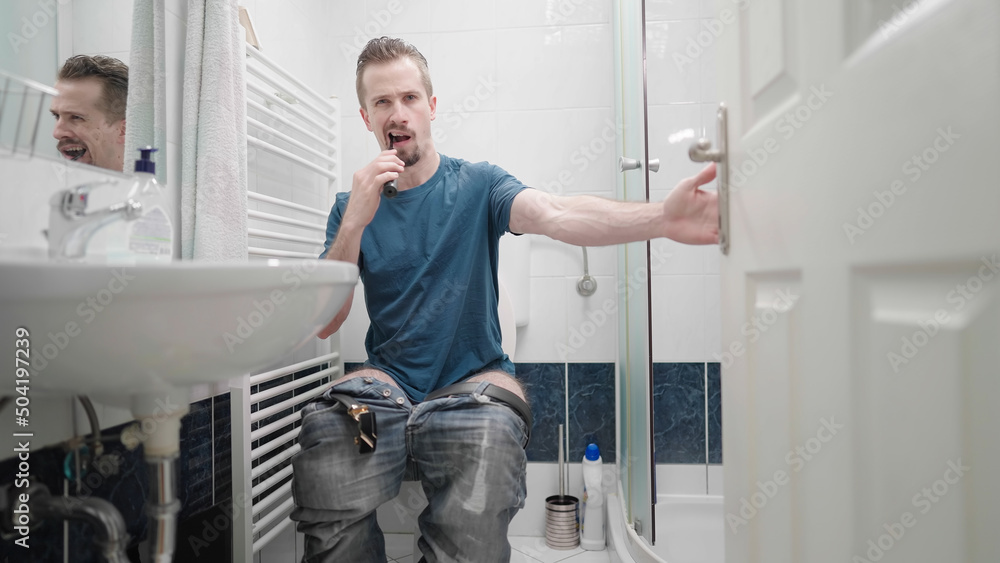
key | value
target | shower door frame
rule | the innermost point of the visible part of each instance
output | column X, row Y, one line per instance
column 636, row 463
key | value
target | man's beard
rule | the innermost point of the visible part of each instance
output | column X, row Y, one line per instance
column 412, row 158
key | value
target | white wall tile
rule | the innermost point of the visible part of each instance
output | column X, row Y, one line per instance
column 538, row 85
column 672, row 130
column 601, row 261
column 353, row 331
column 94, row 27
column 471, row 136
column 662, row 10
column 462, row 15
column 546, row 324
column 668, row 257
column 398, row 17
column 464, row 71
column 549, row 257
column 678, row 312
column 715, row 480
column 713, row 314
column 681, row 479
column 586, row 66
column 707, row 60
column 568, row 151
column 592, row 323
column 527, row 144
column 713, row 257
column 532, row 13
column 670, row 79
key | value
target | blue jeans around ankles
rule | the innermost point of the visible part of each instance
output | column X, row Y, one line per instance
column 467, row 451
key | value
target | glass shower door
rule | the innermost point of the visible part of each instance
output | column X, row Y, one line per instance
column 636, row 470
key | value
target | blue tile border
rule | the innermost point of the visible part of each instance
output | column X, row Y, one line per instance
column 714, row 413
column 545, row 387
column 679, row 412
column 592, row 410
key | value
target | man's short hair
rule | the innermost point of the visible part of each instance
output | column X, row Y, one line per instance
column 113, row 75
column 387, row 49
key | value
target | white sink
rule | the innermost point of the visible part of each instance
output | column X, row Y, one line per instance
column 135, row 330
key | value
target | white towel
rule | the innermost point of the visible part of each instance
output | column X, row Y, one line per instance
column 214, row 135
column 145, row 118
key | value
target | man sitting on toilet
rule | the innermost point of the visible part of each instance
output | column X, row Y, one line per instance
column 437, row 383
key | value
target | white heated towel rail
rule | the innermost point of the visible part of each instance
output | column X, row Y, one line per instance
column 293, row 155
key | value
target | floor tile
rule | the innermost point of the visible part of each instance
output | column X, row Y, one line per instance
column 538, row 550
column 398, row 546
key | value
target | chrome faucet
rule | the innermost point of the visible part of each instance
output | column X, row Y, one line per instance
column 71, row 227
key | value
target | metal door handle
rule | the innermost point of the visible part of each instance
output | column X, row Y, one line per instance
column 627, row 164
column 633, row 164
column 702, row 151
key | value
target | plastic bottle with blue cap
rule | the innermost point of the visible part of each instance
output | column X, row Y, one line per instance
column 150, row 237
column 592, row 511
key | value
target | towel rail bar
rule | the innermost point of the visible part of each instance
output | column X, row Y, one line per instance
column 272, row 131
column 289, row 120
column 290, row 205
column 309, row 136
column 290, row 98
column 289, row 156
column 286, row 370
column 263, row 216
column 256, row 54
column 305, row 116
column 273, row 235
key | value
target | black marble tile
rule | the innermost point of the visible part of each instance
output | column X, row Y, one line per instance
column 222, row 450
column 194, row 464
column 46, row 542
column 592, row 410
column 120, row 476
column 546, row 390
column 679, row 412
column 714, row 413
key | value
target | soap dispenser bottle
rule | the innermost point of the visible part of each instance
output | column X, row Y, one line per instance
column 151, row 236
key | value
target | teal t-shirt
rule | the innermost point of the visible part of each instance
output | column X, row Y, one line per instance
column 429, row 266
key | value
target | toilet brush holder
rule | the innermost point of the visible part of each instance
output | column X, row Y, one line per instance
column 562, row 522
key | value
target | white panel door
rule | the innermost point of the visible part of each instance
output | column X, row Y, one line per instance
column 861, row 292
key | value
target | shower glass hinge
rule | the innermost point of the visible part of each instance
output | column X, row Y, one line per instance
column 638, row 526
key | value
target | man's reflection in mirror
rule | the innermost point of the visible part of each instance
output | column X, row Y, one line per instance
column 90, row 110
